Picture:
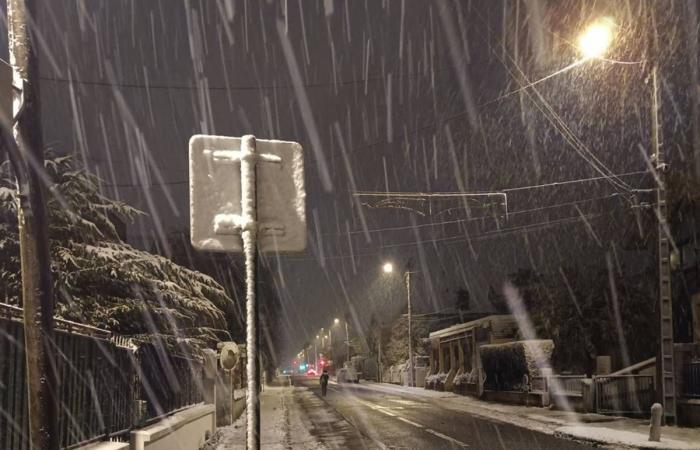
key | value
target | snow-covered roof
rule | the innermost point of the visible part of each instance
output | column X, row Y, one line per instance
column 496, row 322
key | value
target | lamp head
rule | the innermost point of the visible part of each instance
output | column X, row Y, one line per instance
column 596, row 39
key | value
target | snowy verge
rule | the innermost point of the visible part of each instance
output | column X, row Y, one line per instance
column 283, row 425
column 630, row 439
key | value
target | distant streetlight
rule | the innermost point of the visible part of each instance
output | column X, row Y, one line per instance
column 389, row 268
column 595, row 41
column 336, row 321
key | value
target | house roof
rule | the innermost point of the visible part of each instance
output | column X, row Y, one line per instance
column 496, row 322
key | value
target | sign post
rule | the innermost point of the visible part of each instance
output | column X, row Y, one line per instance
column 247, row 195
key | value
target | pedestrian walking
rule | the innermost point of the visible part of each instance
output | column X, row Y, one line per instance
column 324, row 382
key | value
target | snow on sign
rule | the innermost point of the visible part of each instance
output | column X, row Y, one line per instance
column 216, row 218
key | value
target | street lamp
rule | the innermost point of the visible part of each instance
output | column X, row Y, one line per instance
column 347, row 338
column 389, row 268
column 595, row 41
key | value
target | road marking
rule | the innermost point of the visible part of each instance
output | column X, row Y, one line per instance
column 410, row 422
column 446, row 437
column 384, row 410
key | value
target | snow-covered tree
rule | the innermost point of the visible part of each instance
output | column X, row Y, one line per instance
column 101, row 280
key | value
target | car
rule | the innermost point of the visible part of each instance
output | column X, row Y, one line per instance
column 347, row 375
column 311, row 373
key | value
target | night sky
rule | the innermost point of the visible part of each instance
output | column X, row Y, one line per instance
column 411, row 96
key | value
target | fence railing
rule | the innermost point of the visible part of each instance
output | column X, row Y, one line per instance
column 100, row 384
column 559, row 384
column 691, row 379
column 566, row 384
column 624, row 394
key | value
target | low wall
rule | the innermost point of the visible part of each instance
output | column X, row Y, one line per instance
column 105, row 446
column 515, row 398
column 565, row 402
column 689, row 412
column 187, row 430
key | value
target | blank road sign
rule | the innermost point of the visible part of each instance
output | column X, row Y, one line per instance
column 215, row 194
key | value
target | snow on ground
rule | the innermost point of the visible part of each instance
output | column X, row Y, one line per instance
column 621, row 437
column 286, row 426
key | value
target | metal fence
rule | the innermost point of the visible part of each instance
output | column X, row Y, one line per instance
column 566, row 384
column 167, row 382
column 100, row 383
column 559, row 384
column 691, row 379
column 624, row 394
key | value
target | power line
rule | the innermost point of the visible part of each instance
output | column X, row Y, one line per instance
column 471, row 219
column 461, row 238
column 192, row 87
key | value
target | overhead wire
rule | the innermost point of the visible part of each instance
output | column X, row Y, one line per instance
column 460, row 238
column 471, row 219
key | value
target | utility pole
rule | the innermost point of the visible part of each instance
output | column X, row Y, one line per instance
column 347, row 341
column 27, row 155
column 330, row 350
column 410, row 331
column 379, row 356
column 665, row 379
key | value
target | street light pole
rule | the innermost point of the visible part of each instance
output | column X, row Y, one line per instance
column 593, row 44
column 347, row 342
column 389, row 268
column 664, row 367
column 330, row 343
column 411, row 374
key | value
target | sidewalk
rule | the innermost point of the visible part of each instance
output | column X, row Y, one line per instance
column 618, row 432
column 294, row 418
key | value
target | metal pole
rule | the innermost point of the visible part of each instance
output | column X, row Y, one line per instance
column 27, row 156
column 347, row 341
column 330, row 343
column 411, row 375
column 316, row 355
column 664, row 367
column 250, row 249
column 379, row 356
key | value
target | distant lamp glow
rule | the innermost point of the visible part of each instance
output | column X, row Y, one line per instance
column 596, row 40
column 336, row 321
column 388, row 267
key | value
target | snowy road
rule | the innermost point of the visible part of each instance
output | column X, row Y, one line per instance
column 395, row 420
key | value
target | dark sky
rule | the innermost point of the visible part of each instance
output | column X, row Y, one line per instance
column 404, row 96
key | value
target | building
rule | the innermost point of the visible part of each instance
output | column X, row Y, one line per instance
column 454, row 351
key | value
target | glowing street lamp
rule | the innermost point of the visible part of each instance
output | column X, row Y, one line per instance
column 388, row 268
column 595, row 41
